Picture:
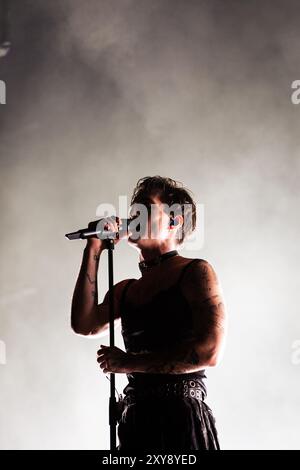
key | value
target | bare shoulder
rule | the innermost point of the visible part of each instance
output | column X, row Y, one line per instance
column 198, row 265
column 200, row 276
column 205, row 268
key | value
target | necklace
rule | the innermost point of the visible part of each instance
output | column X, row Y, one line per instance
column 146, row 265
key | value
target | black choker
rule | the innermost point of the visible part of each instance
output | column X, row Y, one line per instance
column 145, row 265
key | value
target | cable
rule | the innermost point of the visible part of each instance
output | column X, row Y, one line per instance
column 119, row 394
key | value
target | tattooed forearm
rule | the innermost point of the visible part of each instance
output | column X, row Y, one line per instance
column 84, row 318
column 94, row 284
column 182, row 359
column 91, row 281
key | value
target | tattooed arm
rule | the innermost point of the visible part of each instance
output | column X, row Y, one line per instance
column 85, row 296
column 203, row 292
column 87, row 316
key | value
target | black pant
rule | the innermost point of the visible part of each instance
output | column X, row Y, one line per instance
column 167, row 424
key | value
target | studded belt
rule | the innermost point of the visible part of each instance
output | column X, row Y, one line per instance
column 184, row 389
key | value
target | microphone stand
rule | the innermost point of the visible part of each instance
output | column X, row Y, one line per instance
column 110, row 245
column 112, row 398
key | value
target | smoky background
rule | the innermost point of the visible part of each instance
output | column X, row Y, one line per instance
column 99, row 94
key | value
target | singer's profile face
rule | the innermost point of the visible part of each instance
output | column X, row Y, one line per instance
column 151, row 224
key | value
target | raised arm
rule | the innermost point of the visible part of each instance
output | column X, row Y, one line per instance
column 88, row 317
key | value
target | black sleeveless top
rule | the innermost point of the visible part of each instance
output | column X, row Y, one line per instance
column 158, row 324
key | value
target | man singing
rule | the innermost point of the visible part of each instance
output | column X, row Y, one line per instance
column 173, row 326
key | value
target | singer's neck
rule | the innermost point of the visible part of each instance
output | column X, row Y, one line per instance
column 147, row 254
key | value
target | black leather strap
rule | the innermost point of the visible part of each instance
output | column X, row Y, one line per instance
column 183, row 389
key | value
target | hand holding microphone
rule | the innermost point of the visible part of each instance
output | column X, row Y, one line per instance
column 100, row 230
column 109, row 225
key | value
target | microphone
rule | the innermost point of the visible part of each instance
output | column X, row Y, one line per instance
column 97, row 229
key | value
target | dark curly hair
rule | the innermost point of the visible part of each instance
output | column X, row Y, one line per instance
column 170, row 192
